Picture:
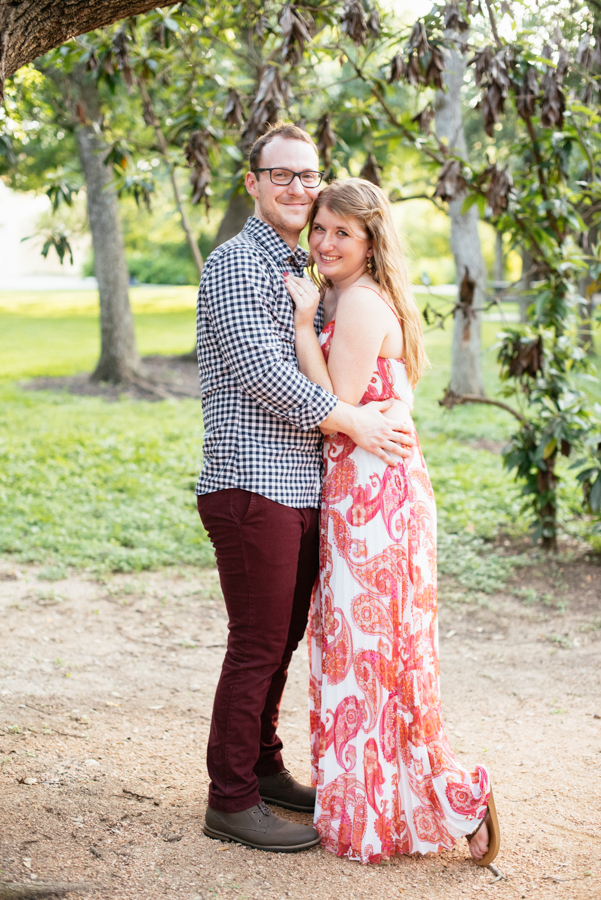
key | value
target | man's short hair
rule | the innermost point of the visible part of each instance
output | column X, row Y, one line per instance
column 281, row 129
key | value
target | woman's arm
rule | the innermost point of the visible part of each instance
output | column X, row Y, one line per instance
column 362, row 323
column 311, row 361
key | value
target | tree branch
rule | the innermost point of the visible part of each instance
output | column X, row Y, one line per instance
column 414, row 197
column 493, row 25
column 451, row 399
column 30, row 28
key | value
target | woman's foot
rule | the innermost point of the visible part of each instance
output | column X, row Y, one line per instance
column 485, row 841
column 479, row 843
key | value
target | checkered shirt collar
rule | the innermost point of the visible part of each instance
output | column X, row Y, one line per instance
column 276, row 246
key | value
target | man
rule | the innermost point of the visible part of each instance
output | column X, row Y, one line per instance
column 259, row 490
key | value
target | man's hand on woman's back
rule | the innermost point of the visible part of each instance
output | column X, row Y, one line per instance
column 390, row 439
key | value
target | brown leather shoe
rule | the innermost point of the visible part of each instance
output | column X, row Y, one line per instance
column 258, row 827
column 283, row 790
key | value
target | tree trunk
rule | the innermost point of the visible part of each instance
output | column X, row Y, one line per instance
column 119, row 358
column 466, row 368
column 499, row 271
column 547, row 514
column 240, row 207
column 30, row 28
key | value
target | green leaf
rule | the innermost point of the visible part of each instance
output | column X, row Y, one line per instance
column 595, row 495
column 550, row 448
column 469, row 202
column 233, row 151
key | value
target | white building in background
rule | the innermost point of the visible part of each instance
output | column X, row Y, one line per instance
column 22, row 266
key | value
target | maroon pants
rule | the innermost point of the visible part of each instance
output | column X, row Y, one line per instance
column 267, row 557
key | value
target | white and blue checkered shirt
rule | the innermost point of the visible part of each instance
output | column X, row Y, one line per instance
column 260, row 413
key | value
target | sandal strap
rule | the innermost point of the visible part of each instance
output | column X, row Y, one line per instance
column 486, row 816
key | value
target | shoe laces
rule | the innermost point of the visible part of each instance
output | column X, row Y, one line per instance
column 264, row 808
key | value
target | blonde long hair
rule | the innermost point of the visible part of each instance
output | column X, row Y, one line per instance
column 364, row 201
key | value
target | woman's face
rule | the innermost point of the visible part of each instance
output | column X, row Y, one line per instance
column 339, row 246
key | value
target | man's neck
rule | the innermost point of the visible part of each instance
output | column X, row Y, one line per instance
column 289, row 237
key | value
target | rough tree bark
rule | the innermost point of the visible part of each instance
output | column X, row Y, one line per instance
column 466, row 368
column 119, row 360
column 30, row 28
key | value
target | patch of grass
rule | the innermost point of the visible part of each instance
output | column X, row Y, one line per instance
column 526, row 594
column 101, row 486
column 104, row 486
column 109, row 486
column 53, row 573
column 49, row 333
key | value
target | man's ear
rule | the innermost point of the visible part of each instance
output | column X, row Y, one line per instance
column 251, row 184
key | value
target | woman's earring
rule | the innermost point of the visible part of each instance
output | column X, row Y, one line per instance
column 371, row 266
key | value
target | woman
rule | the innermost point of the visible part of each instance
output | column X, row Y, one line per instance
column 387, row 780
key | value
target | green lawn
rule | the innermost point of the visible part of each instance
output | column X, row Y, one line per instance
column 100, row 485
column 58, row 334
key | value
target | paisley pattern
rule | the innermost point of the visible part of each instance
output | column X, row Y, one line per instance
column 387, row 780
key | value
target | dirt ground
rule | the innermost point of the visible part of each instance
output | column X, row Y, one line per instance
column 105, row 699
column 163, row 377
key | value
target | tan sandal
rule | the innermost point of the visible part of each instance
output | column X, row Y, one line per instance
column 494, row 833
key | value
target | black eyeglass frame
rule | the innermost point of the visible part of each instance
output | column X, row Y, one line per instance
column 294, row 175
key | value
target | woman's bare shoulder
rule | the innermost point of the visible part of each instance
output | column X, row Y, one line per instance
column 363, row 298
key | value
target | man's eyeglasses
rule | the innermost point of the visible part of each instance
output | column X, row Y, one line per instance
column 287, row 176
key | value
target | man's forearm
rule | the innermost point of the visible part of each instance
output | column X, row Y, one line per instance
column 310, row 358
column 370, row 429
column 342, row 418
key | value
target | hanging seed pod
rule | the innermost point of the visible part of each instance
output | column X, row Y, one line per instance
column 325, row 139
column 424, row 118
column 260, row 27
column 157, row 33
column 491, row 73
column 554, row 102
column 433, row 76
column 527, row 94
column 370, row 170
column 271, row 96
column 584, row 53
column 373, row 22
column 413, row 72
column 418, row 39
column 453, row 18
column 500, row 185
column 197, row 157
column 481, row 60
column 296, row 33
column 526, row 357
column 353, row 21
column 451, row 182
column 397, row 68
column 120, row 51
column 92, row 63
column 233, row 113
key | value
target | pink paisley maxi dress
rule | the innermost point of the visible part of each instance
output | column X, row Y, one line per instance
column 387, row 780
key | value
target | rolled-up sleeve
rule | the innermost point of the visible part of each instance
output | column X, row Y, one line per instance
column 237, row 292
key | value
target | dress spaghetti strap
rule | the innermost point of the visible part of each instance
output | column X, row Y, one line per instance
column 391, row 308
